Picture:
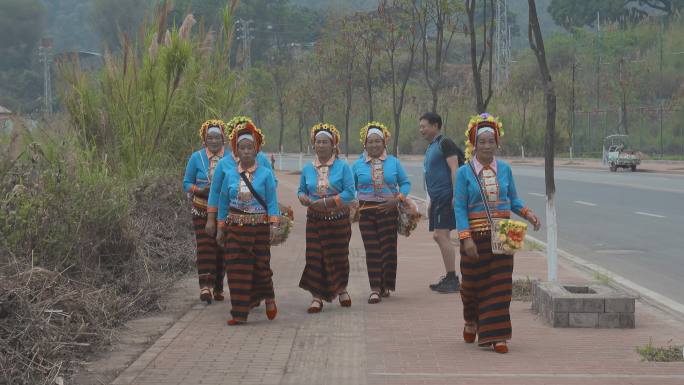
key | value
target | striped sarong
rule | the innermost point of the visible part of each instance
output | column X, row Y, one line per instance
column 248, row 267
column 379, row 234
column 326, row 273
column 486, row 290
column 209, row 256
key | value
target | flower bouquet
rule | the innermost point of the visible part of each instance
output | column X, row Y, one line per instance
column 508, row 236
column 408, row 217
column 280, row 233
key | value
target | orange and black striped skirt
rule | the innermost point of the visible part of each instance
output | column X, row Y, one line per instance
column 248, row 267
column 326, row 273
column 209, row 255
column 486, row 290
column 379, row 234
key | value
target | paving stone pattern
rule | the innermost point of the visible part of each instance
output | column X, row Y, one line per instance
column 413, row 337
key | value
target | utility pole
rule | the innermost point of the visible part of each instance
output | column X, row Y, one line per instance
column 572, row 110
column 598, row 62
column 45, row 53
column 662, row 152
column 244, row 29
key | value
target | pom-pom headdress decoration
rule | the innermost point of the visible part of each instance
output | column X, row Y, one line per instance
column 230, row 126
column 246, row 128
column 209, row 124
column 372, row 126
column 334, row 134
column 475, row 125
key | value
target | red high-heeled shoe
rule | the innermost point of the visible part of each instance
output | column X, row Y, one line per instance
column 500, row 347
column 233, row 322
column 313, row 308
column 272, row 313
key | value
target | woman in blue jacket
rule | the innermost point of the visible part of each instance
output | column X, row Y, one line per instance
column 326, row 187
column 248, row 208
column 199, row 173
column 487, row 284
column 381, row 184
column 224, row 166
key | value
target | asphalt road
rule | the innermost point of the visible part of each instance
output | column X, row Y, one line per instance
column 629, row 223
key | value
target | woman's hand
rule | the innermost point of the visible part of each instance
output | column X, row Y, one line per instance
column 319, row 205
column 532, row 218
column 203, row 192
column 219, row 237
column 470, row 248
column 274, row 228
column 305, row 200
column 388, row 206
column 210, row 227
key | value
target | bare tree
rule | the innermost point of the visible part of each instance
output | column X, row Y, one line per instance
column 281, row 81
column 487, row 50
column 399, row 37
column 368, row 35
column 442, row 17
column 537, row 44
column 345, row 50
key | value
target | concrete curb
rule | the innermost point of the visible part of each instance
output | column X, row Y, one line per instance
column 643, row 294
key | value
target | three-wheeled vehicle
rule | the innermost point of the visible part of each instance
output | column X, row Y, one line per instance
column 619, row 153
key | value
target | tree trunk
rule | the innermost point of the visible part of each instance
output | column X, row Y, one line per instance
column 523, row 139
column 482, row 101
column 300, row 128
column 369, row 90
column 537, row 45
column 281, row 115
column 347, row 112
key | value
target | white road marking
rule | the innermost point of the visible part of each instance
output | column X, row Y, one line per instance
column 649, row 214
column 538, row 195
column 650, row 297
column 536, row 375
column 586, row 203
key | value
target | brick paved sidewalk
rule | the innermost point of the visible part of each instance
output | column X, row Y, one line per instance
column 413, row 337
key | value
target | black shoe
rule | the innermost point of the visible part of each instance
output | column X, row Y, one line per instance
column 450, row 285
column 433, row 286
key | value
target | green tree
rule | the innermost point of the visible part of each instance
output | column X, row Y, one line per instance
column 111, row 18
column 208, row 11
column 477, row 60
column 277, row 23
column 572, row 13
column 399, row 41
column 21, row 27
column 439, row 18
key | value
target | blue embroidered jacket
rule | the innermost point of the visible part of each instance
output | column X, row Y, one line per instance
column 340, row 178
column 468, row 206
column 396, row 182
column 263, row 182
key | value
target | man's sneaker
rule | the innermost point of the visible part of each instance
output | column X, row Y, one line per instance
column 448, row 286
column 433, row 286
